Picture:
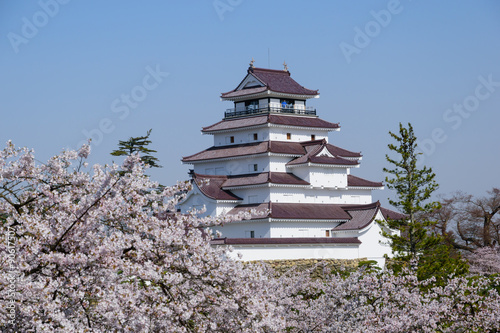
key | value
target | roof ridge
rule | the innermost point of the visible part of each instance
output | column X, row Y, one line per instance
column 252, row 70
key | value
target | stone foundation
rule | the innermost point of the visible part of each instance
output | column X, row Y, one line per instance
column 318, row 266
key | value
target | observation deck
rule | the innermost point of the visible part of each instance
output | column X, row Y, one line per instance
column 233, row 113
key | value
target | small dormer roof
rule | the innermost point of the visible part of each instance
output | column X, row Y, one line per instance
column 260, row 80
column 320, row 152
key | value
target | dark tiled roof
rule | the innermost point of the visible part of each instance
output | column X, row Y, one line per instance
column 229, row 151
column 358, row 216
column 390, row 214
column 288, row 240
column 298, row 121
column 211, row 186
column 337, row 151
column 314, row 154
column 305, row 151
column 278, row 147
column 296, row 211
column 263, row 178
column 274, row 80
column 243, row 92
column 357, row 181
column 361, row 216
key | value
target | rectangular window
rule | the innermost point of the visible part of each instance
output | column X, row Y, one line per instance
column 253, row 167
column 289, row 136
column 255, row 136
column 231, row 139
column 313, row 137
column 327, row 233
column 249, row 234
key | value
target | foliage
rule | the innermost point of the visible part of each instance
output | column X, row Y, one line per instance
column 93, row 255
column 415, row 240
column 138, row 145
column 469, row 222
column 413, row 188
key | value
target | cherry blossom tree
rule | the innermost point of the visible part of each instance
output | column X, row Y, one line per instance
column 102, row 249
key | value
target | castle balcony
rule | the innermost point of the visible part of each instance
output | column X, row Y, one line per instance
column 250, row 110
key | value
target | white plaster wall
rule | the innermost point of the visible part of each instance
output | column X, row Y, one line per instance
column 278, row 163
column 237, row 166
column 275, row 103
column 238, row 229
column 262, row 194
column 322, row 251
column 354, row 196
column 198, row 201
column 296, row 229
column 240, row 137
column 268, row 133
column 298, row 135
column 263, row 103
column 240, row 106
column 373, row 245
column 322, row 177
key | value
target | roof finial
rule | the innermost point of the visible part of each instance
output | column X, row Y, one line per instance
column 285, row 66
column 251, row 63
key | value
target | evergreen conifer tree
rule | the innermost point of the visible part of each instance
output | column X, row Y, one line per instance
column 138, row 145
column 414, row 187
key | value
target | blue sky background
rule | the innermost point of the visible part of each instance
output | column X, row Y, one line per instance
column 63, row 67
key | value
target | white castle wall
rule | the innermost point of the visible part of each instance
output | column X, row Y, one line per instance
column 277, row 252
column 298, row 229
column 243, row 229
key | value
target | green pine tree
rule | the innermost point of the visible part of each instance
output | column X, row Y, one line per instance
column 138, row 145
column 414, row 187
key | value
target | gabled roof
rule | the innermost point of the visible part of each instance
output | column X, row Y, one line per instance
column 212, row 188
column 278, row 81
column 319, row 152
column 361, row 216
column 353, row 181
column 285, row 120
column 303, row 150
column 216, row 152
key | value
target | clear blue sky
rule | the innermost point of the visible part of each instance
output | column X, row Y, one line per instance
column 65, row 68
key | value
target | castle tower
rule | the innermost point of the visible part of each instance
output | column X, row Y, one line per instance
column 271, row 153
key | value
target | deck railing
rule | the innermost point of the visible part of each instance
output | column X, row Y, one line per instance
column 232, row 113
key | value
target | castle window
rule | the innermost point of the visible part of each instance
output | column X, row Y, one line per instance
column 313, row 137
column 231, row 139
column 327, row 233
column 250, row 234
column 255, row 136
column 289, row 136
column 253, row 167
